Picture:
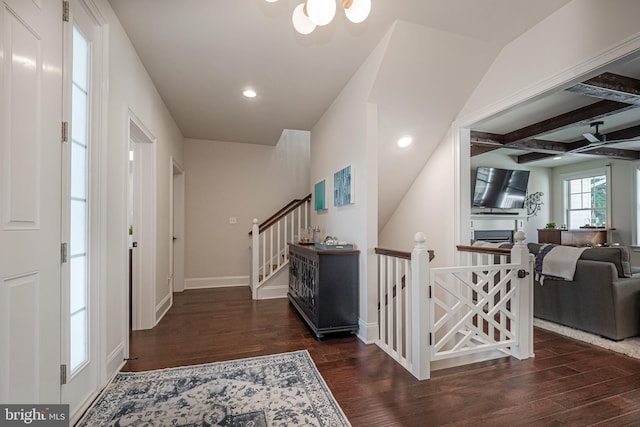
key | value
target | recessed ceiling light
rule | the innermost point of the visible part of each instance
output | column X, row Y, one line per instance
column 405, row 141
column 557, row 158
column 249, row 93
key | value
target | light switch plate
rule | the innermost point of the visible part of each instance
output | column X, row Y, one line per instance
column 233, row 220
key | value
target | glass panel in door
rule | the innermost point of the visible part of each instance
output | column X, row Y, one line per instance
column 79, row 239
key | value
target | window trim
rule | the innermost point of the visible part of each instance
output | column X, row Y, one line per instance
column 566, row 177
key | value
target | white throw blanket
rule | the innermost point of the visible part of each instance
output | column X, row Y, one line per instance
column 483, row 244
column 561, row 261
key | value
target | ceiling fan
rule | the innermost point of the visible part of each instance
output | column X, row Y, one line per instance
column 597, row 137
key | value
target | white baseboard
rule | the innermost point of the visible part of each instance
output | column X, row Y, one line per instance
column 77, row 414
column 163, row 308
column 115, row 361
column 272, row 292
column 367, row 332
column 276, row 285
column 468, row 359
column 215, row 282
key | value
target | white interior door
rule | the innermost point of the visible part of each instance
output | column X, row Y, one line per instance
column 176, row 220
column 30, row 117
column 81, row 207
column 142, row 199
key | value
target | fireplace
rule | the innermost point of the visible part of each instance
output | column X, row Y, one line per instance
column 494, row 236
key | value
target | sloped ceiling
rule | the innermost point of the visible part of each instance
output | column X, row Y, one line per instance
column 424, row 80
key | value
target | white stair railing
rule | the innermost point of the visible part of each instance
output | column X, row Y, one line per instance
column 269, row 242
column 459, row 314
column 396, row 299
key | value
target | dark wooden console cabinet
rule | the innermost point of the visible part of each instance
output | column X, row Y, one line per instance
column 323, row 287
column 580, row 237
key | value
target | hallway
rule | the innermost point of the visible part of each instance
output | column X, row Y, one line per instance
column 567, row 382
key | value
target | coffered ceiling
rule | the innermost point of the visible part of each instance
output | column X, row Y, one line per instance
column 592, row 118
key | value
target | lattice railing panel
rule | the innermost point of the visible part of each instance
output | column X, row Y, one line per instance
column 472, row 310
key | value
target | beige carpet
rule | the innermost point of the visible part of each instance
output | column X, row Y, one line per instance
column 629, row 346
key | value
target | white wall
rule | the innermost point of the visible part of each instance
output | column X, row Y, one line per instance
column 425, row 78
column 244, row 181
column 575, row 38
column 540, row 179
column 347, row 135
column 131, row 89
column 427, row 207
column 398, row 90
column 578, row 38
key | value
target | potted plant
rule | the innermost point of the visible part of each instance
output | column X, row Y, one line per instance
column 551, row 225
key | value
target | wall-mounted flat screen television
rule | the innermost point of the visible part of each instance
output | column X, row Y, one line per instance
column 500, row 188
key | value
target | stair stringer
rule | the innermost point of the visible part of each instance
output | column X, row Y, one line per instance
column 276, row 285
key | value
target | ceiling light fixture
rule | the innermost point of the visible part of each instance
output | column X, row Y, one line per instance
column 306, row 16
column 357, row 10
column 301, row 21
column 405, row 141
column 321, row 12
column 249, row 93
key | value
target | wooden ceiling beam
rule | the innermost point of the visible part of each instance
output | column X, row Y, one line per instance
column 617, row 94
column 612, row 87
column 483, row 142
column 601, row 151
column 476, row 150
column 628, row 134
column 541, row 146
column 584, row 115
column 613, row 153
column 532, row 157
column 486, row 138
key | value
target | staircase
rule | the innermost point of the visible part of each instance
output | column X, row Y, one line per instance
column 269, row 252
column 433, row 318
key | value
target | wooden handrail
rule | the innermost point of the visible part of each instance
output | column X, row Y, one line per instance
column 288, row 208
column 484, row 250
column 401, row 254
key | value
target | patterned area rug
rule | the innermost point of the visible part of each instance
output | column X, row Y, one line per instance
column 279, row 390
column 629, row 346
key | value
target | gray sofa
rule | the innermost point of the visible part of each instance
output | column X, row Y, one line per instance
column 603, row 298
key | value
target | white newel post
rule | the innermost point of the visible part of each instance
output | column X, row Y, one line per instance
column 420, row 306
column 255, row 258
column 524, row 299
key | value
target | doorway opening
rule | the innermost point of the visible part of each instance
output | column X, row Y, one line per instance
column 141, row 225
column 176, row 232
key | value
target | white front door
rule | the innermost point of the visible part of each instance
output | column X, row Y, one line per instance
column 81, row 209
column 30, row 134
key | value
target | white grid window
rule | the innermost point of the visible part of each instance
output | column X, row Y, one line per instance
column 586, row 202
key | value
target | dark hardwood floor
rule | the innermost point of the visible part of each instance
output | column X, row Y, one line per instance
column 567, row 383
